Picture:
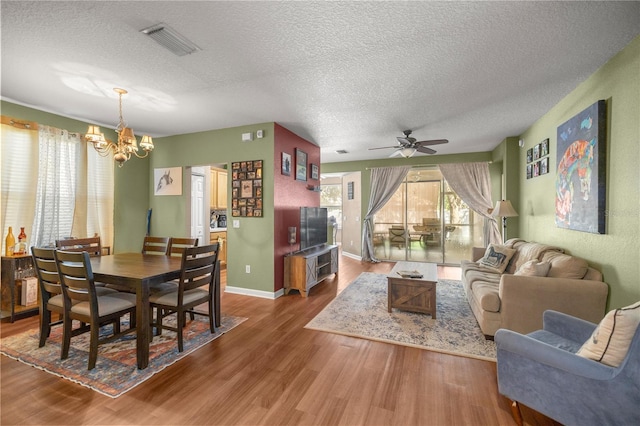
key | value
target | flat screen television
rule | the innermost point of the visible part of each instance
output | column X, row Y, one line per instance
column 313, row 227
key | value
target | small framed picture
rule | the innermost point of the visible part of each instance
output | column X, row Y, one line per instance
column 544, row 166
column 536, row 169
column 529, row 171
column 286, row 164
column 544, row 148
column 301, row 165
column 536, row 152
column 314, row 171
column 529, row 155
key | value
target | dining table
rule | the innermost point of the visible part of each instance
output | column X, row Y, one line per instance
column 138, row 272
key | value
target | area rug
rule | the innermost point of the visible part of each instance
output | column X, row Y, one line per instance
column 361, row 311
column 116, row 371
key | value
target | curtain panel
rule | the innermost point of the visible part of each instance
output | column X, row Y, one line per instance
column 384, row 183
column 472, row 183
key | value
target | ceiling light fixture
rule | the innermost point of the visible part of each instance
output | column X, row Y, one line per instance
column 407, row 152
column 127, row 142
column 170, row 39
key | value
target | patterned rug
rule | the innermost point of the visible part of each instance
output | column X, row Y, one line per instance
column 116, row 371
column 361, row 311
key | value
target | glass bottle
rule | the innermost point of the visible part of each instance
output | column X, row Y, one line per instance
column 22, row 242
column 10, row 243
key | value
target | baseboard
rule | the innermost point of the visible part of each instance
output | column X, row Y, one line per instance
column 351, row 255
column 254, row 293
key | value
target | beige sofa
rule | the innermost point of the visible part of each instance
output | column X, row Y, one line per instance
column 516, row 302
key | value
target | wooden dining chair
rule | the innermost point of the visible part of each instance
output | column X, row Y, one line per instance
column 91, row 245
column 51, row 298
column 155, row 245
column 82, row 303
column 199, row 276
column 177, row 245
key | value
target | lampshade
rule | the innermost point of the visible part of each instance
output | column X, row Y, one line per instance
column 407, row 152
column 504, row 208
column 146, row 143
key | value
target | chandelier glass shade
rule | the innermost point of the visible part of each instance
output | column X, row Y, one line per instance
column 127, row 143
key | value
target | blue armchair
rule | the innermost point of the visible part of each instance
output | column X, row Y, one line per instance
column 542, row 371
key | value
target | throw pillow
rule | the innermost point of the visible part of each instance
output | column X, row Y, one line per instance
column 497, row 257
column 610, row 341
column 533, row 268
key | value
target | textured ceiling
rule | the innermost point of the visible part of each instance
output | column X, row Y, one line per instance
column 344, row 75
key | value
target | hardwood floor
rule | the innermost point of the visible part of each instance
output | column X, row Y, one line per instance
column 271, row 370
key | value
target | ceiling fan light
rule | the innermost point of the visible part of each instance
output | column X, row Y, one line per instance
column 407, row 152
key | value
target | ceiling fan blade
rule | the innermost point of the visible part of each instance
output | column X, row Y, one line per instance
column 425, row 150
column 384, row 147
column 406, row 141
column 433, row 142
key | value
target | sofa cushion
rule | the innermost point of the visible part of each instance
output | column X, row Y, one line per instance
column 533, row 268
column 497, row 257
column 565, row 266
column 610, row 341
column 527, row 251
column 487, row 296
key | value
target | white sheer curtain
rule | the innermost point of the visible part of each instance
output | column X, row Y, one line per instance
column 472, row 183
column 55, row 185
column 384, row 183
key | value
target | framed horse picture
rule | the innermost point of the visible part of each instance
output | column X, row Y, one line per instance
column 581, row 171
column 167, row 181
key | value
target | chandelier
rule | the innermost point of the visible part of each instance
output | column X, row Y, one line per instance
column 127, row 143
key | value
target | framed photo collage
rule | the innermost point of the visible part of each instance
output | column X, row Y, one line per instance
column 246, row 189
column 538, row 160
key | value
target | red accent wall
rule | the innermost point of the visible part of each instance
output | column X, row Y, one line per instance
column 290, row 194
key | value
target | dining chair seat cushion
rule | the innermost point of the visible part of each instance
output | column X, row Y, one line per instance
column 57, row 300
column 170, row 298
column 104, row 291
column 107, row 304
column 163, row 287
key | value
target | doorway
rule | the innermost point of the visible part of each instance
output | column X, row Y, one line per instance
column 426, row 221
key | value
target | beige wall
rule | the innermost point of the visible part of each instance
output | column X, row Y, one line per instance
column 351, row 215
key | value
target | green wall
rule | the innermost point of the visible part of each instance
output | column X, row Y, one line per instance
column 616, row 253
column 251, row 243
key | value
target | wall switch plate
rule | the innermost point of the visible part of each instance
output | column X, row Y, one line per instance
column 236, row 223
column 247, row 269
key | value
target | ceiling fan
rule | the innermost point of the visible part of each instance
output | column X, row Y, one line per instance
column 407, row 146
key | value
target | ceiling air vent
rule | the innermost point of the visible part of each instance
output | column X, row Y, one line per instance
column 341, row 151
column 170, row 39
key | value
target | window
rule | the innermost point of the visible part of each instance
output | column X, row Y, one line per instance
column 54, row 185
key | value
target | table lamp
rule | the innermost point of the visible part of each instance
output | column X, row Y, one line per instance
column 504, row 209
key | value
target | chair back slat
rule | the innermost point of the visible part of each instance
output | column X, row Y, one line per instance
column 178, row 245
column 156, row 245
column 46, row 269
column 198, row 267
column 91, row 245
column 76, row 276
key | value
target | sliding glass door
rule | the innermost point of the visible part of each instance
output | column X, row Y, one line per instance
column 425, row 221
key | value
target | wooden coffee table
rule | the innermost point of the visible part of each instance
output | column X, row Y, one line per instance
column 413, row 294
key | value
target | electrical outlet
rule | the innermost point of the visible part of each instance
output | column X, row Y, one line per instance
column 236, row 223
column 247, row 269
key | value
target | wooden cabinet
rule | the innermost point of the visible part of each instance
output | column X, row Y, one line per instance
column 306, row 268
column 221, row 238
column 14, row 270
column 218, row 195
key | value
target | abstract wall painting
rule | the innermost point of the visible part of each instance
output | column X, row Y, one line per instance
column 581, row 171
